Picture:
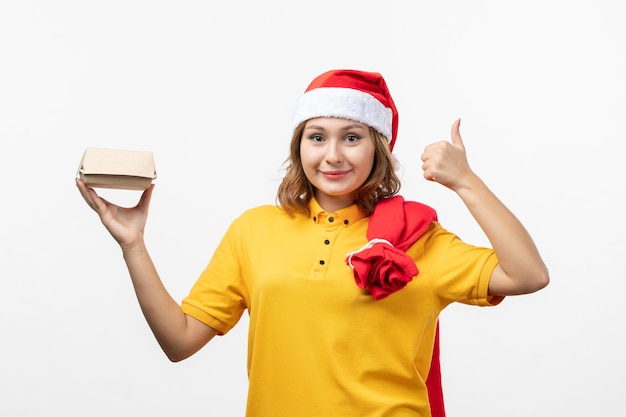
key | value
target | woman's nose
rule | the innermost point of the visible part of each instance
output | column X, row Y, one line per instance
column 333, row 152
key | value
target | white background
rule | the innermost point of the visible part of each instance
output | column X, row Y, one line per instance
column 209, row 87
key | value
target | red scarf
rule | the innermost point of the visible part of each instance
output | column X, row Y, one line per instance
column 382, row 266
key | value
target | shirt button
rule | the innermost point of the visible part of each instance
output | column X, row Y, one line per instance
column 322, row 262
column 327, row 242
column 331, row 219
column 346, row 222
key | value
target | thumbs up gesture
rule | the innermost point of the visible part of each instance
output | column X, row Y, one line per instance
column 445, row 162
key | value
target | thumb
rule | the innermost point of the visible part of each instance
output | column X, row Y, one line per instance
column 455, row 135
column 146, row 196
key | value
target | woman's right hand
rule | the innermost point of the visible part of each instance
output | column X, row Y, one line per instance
column 126, row 225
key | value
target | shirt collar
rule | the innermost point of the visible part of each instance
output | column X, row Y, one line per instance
column 348, row 215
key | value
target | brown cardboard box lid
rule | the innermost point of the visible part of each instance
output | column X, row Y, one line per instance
column 117, row 168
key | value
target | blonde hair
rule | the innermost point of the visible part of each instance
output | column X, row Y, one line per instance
column 295, row 190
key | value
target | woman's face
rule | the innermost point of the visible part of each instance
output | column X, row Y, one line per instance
column 337, row 157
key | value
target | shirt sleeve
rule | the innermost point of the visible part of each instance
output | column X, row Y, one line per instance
column 457, row 271
column 219, row 296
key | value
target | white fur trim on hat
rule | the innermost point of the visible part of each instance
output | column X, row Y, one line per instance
column 346, row 103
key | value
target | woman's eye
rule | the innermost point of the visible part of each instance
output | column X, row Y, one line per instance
column 316, row 138
column 352, row 138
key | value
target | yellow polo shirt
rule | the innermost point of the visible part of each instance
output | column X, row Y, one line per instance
column 317, row 344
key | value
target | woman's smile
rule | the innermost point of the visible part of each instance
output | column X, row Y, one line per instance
column 334, row 175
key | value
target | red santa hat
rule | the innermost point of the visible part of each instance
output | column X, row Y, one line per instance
column 350, row 94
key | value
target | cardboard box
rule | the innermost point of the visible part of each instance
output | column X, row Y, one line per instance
column 117, row 168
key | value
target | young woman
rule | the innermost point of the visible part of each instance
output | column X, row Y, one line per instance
column 343, row 280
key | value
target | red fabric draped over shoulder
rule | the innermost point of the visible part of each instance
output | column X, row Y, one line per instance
column 382, row 266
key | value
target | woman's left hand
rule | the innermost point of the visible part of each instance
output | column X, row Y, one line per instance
column 445, row 162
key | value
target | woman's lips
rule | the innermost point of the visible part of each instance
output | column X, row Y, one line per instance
column 334, row 175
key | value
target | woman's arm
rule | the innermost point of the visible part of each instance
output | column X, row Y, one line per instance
column 521, row 269
column 179, row 335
